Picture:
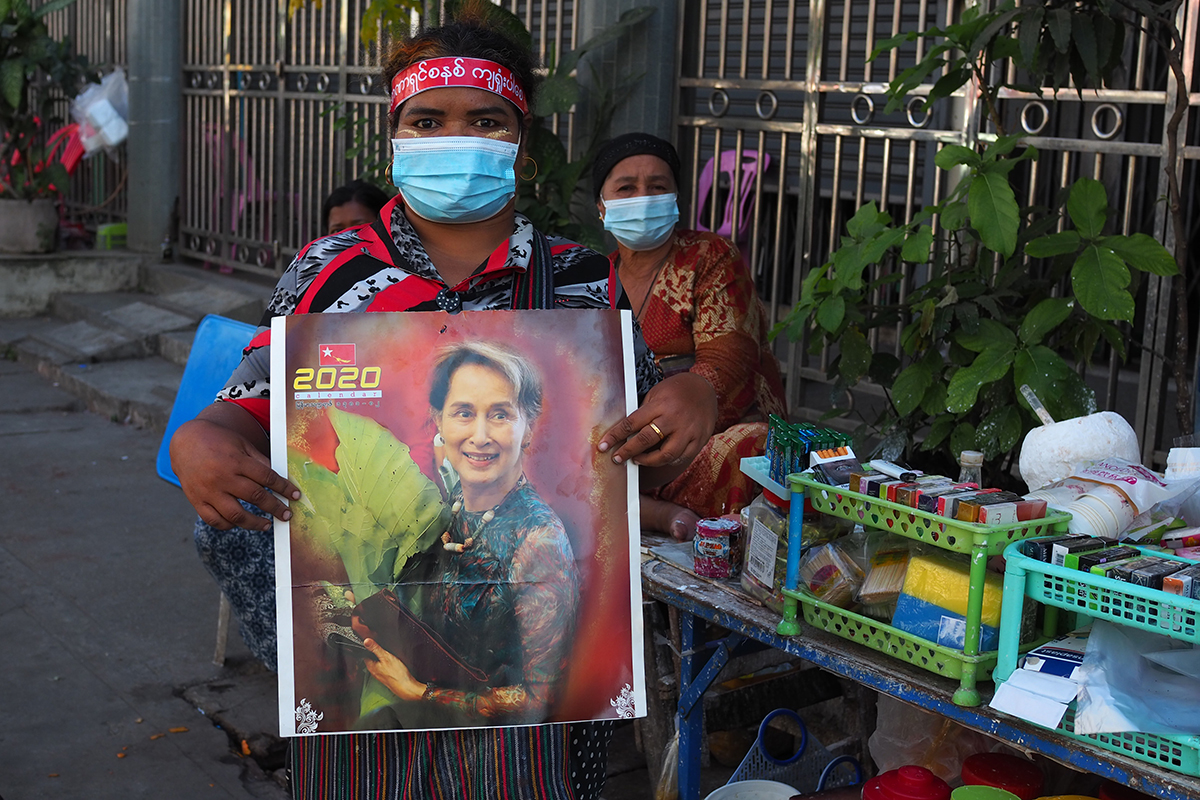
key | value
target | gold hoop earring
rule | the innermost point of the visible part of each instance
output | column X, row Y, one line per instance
column 535, row 170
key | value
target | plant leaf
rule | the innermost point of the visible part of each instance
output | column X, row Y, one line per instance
column 938, row 431
column 1030, row 34
column 954, row 216
column 12, row 81
column 909, row 388
column 831, row 312
column 1059, row 24
column 1043, row 318
column 1099, row 278
column 990, row 333
column 1087, row 207
column 1059, row 387
column 856, row 357
column 1083, row 34
column 1056, row 244
column 993, row 209
column 989, row 366
column 1142, row 252
column 962, row 438
column 953, row 155
column 999, row 431
column 917, row 245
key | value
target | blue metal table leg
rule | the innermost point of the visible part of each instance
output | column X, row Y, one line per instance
column 696, row 676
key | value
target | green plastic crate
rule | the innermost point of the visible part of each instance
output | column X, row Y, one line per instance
column 942, row 532
column 978, row 541
column 899, row 644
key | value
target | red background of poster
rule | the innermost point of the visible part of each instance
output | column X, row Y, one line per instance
column 580, row 358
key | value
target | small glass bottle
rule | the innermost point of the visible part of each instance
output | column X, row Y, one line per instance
column 970, row 464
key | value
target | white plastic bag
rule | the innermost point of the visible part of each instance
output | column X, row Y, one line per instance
column 101, row 111
column 1122, row 690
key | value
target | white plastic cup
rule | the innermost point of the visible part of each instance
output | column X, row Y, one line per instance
column 1103, row 512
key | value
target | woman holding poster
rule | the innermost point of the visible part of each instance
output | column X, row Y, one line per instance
column 451, row 240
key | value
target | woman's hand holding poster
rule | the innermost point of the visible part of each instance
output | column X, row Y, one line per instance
column 462, row 556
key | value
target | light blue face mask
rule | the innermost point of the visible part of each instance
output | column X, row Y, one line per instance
column 455, row 179
column 642, row 223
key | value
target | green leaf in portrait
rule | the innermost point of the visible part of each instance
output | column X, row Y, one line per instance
column 993, row 209
column 379, row 476
column 1044, row 318
column 1099, row 279
column 1084, row 36
column 12, row 81
column 990, row 365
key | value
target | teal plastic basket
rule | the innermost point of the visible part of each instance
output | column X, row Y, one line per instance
column 1099, row 597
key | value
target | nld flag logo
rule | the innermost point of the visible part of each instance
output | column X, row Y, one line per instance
column 336, row 355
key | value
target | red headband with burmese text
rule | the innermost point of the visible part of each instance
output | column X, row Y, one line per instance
column 474, row 73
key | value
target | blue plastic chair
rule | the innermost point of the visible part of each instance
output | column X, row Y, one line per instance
column 216, row 351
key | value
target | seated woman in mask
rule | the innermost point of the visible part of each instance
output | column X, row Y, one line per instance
column 694, row 298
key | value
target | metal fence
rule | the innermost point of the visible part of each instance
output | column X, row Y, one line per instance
column 97, row 192
column 278, row 112
column 782, row 90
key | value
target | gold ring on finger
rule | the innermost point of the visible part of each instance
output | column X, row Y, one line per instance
column 658, row 430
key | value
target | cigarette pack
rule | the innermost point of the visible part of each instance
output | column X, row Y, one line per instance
column 1042, row 549
column 1107, row 570
column 856, row 479
column 1080, row 544
column 1152, row 575
column 1185, row 582
column 1085, row 561
column 927, row 500
column 998, row 514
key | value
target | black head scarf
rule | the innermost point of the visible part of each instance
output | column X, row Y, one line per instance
column 622, row 147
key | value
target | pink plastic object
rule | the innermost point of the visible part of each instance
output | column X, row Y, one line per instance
column 906, row 783
column 742, row 200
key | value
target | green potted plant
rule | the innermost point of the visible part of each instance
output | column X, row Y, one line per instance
column 36, row 72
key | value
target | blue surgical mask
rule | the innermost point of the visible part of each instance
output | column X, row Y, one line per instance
column 641, row 223
column 455, row 179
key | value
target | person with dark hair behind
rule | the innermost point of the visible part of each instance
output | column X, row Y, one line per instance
column 356, row 203
column 451, row 239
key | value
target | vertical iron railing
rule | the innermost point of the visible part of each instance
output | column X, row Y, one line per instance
column 278, row 112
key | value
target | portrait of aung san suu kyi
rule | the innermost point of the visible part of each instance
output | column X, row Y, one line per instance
column 461, row 556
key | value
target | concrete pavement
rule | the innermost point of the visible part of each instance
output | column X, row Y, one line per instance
column 107, row 618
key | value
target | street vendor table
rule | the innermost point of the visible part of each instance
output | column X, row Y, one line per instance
column 701, row 602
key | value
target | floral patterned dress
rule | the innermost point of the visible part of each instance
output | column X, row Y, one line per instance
column 703, row 314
